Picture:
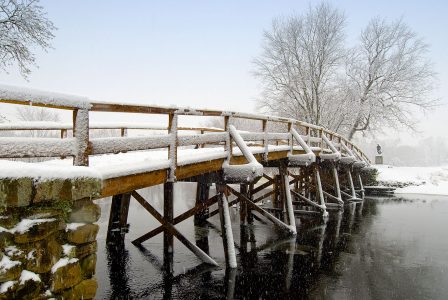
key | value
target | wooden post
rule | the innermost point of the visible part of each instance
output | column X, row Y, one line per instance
column 361, row 186
column 319, row 191
column 202, row 194
column 172, row 148
column 118, row 217
column 287, row 198
column 81, row 134
column 168, row 197
column 265, row 140
column 243, row 206
column 249, row 195
column 63, row 133
column 228, row 143
column 337, row 186
column 352, row 186
column 201, row 237
column 226, row 227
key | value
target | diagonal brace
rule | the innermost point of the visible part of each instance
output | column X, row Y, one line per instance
column 263, row 212
column 172, row 230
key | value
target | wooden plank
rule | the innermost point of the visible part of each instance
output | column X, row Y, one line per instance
column 125, row 184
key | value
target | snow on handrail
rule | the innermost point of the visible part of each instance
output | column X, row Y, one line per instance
column 301, row 159
column 246, row 172
column 26, row 96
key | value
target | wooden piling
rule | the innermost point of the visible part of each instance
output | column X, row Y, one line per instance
column 243, row 205
column 118, row 217
column 336, row 185
column 168, row 241
column 202, row 194
column 226, row 227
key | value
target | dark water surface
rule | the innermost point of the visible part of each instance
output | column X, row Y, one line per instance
column 384, row 248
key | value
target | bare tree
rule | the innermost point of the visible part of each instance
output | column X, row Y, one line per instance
column 390, row 77
column 23, row 25
column 386, row 78
column 301, row 57
column 32, row 113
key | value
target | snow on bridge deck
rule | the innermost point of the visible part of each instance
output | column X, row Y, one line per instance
column 145, row 167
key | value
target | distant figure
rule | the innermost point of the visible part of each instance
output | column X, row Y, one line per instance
column 378, row 149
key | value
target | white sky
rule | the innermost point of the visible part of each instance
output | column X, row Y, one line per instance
column 199, row 53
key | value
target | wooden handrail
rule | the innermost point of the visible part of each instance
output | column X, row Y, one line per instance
column 313, row 134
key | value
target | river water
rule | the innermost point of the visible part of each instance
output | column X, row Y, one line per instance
column 383, row 248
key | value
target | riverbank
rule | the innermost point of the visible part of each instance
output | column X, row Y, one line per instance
column 414, row 180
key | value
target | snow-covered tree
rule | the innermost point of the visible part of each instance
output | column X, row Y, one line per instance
column 23, row 25
column 299, row 64
column 309, row 74
column 390, row 77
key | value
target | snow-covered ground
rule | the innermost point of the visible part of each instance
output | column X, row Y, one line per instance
column 415, row 180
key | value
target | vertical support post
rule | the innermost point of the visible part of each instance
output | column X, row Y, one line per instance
column 320, row 192
column 201, row 237
column 249, row 215
column 337, row 186
column 265, row 140
column 288, row 204
column 226, row 227
column 172, row 148
column 352, row 186
column 63, row 133
column 228, row 143
column 123, row 132
column 81, row 134
column 202, row 194
column 361, row 185
column 118, row 217
column 243, row 205
column 168, row 240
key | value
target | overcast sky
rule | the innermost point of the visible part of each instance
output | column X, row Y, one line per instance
column 198, row 53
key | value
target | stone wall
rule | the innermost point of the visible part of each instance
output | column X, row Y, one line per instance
column 47, row 246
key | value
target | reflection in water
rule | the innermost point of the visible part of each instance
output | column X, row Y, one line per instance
column 118, row 257
column 377, row 249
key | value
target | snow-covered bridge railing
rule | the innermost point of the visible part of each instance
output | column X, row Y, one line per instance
column 80, row 146
column 299, row 137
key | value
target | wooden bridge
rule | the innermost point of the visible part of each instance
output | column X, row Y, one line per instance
column 304, row 169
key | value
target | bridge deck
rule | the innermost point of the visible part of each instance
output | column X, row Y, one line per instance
column 126, row 172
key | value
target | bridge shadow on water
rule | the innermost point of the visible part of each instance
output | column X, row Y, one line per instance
column 269, row 265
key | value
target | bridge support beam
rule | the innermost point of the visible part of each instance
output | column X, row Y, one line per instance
column 118, row 218
column 337, row 186
column 361, row 186
column 243, row 205
column 319, row 191
column 172, row 230
column 226, row 227
column 287, row 198
column 354, row 197
column 202, row 194
column 262, row 211
column 168, row 239
column 288, row 204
